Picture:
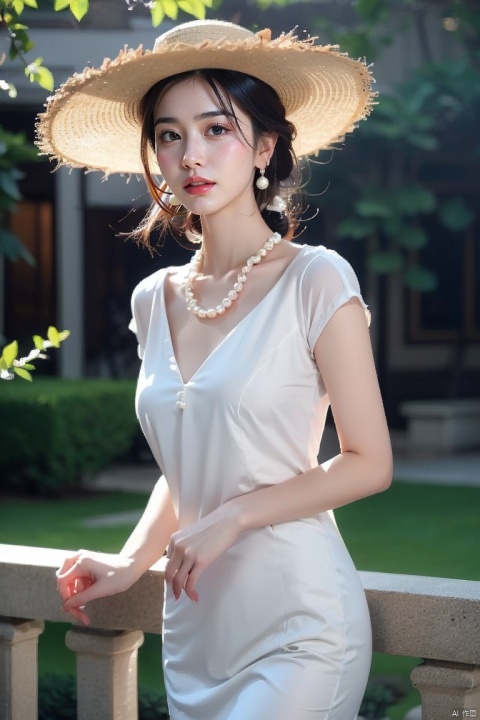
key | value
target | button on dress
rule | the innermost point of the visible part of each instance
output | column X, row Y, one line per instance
column 282, row 628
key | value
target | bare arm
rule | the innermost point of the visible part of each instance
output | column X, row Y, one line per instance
column 87, row 575
column 150, row 538
column 364, row 466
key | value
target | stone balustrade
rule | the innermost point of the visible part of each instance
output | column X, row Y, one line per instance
column 435, row 619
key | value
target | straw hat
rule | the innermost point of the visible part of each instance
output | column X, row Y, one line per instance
column 93, row 120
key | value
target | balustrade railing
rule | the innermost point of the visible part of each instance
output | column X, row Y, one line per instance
column 435, row 619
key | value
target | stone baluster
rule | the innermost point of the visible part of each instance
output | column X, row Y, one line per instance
column 107, row 683
column 19, row 668
column 448, row 690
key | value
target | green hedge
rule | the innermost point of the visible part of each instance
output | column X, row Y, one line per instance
column 57, row 700
column 55, row 432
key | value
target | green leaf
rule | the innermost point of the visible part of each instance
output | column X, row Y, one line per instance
column 79, row 8
column 424, row 142
column 3, row 364
column 53, row 336
column 157, row 13
column 61, row 5
column 415, row 198
column 38, row 341
column 63, row 335
column 455, row 214
column 28, row 366
column 369, row 8
column 10, row 353
column 356, row 228
column 193, row 7
column 392, row 226
column 8, row 185
column 31, row 3
column 170, row 8
column 45, row 78
column 21, row 372
column 420, row 279
column 373, row 207
column 18, row 6
column 412, row 237
column 387, row 261
column 12, row 248
column 387, row 129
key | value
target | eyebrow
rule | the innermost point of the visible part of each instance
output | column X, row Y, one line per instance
column 202, row 116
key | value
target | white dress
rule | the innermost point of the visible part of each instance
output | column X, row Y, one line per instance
column 282, row 629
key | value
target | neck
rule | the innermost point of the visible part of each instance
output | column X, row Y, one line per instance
column 228, row 243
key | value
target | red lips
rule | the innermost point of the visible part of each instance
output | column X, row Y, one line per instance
column 197, row 185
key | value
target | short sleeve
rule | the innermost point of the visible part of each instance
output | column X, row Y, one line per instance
column 328, row 282
column 132, row 325
column 143, row 298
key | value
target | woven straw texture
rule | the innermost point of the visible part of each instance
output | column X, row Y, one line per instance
column 93, row 119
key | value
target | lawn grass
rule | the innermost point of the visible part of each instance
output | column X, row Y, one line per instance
column 412, row 529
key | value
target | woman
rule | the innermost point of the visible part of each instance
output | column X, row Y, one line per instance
column 242, row 353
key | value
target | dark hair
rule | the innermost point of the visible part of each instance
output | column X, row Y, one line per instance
column 263, row 105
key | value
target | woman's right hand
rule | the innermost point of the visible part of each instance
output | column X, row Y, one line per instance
column 87, row 576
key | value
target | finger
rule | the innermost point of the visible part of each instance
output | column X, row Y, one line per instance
column 82, row 583
column 192, row 579
column 101, row 588
column 67, row 564
column 181, row 576
column 171, row 568
column 79, row 614
column 67, row 583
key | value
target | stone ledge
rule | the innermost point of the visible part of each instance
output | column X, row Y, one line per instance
column 412, row 615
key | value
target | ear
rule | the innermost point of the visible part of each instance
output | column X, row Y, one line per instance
column 265, row 147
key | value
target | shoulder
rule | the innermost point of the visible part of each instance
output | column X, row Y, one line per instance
column 321, row 262
column 147, row 288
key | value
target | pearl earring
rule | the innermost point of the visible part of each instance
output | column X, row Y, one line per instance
column 262, row 182
column 173, row 200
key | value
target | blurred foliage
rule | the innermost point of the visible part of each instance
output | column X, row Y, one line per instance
column 57, row 700
column 55, row 432
column 375, row 190
column 14, row 149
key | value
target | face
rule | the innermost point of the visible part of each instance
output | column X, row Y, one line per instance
column 203, row 157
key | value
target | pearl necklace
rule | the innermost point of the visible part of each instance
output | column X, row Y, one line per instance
column 196, row 264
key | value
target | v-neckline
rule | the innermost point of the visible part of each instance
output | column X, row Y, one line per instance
column 230, row 332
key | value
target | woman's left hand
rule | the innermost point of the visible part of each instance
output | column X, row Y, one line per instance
column 192, row 549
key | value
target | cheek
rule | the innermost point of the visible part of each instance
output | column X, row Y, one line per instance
column 235, row 154
column 165, row 162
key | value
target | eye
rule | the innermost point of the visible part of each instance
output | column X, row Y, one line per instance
column 217, row 130
column 168, row 136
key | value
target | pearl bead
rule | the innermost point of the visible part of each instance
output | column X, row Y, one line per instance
column 195, row 269
column 262, row 183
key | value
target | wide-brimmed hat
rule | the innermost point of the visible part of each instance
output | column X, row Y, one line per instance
column 94, row 121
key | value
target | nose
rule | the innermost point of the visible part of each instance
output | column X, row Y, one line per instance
column 193, row 155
